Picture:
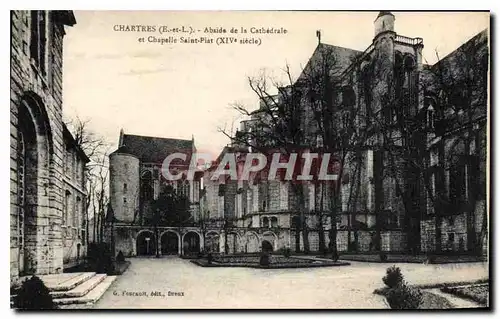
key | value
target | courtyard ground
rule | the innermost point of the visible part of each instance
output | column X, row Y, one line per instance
column 171, row 282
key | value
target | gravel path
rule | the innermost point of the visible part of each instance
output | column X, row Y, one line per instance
column 176, row 283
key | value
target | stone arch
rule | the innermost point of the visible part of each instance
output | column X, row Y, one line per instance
column 409, row 62
column 252, row 242
column 191, row 242
column 271, row 237
column 212, row 241
column 398, row 59
column 267, row 246
column 34, row 154
column 34, row 103
column 170, row 242
column 145, row 246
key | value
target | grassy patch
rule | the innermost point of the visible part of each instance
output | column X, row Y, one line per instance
column 402, row 258
column 452, row 284
column 429, row 300
column 478, row 293
column 433, row 301
column 276, row 262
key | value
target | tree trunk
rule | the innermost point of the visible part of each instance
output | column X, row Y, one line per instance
column 333, row 221
column 321, row 231
column 299, row 193
column 378, row 185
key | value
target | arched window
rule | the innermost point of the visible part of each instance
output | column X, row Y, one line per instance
column 265, row 222
column 410, row 80
column 398, row 73
column 38, row 39
column 274, row 222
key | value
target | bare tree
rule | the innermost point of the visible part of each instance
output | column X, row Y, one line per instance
column 96, row 173
column 334, row 129
column 276, row 125
column 315, row 112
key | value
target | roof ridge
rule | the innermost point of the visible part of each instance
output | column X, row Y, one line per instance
column 338, row 46
column 158, row 137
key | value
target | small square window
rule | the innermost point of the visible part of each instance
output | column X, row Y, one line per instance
column 124, row 200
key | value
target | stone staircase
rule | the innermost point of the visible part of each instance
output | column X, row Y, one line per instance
column 75, row 289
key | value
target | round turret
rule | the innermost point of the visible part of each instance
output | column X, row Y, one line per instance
column 124, row 184
column 384, row 22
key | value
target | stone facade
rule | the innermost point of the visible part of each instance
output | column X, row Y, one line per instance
column 136, row 182
column 39, row 141
column 373, row 216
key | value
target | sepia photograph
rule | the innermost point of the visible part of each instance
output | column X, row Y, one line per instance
column 250, row 160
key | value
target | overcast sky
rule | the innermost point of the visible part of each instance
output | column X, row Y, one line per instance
column 182, row 90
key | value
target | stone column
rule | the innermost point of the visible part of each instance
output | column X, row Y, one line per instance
column 180, row 248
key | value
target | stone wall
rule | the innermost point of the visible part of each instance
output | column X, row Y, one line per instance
column 36, row 99
column 453, row 233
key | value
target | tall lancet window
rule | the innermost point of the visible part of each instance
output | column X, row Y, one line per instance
column 409, row 79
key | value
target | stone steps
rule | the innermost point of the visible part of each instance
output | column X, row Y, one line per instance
column 80, row 290
column 64, row 285
column 91, row 296
column 73, row 290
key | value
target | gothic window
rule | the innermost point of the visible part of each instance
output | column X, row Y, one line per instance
column 458, row 97
column 274, row 222
column 348, row 96
column 457, row 184
column 430, row 117
column 38, row 40
column 405, row 78
column 265, row 222
column 295, row 222
column 147, row 190
column 124, row 187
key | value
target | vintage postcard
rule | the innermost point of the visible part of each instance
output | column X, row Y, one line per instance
column 249, row 160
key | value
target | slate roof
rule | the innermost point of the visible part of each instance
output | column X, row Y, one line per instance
column 151, row 149
column 344, row 57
